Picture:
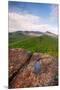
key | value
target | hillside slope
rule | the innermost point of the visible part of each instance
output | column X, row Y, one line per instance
column 44, row 44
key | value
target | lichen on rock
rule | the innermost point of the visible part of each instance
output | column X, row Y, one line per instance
column 46, row 69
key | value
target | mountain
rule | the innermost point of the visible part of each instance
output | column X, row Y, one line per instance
column 33, row 33
column 45, row 43
column 51, row 34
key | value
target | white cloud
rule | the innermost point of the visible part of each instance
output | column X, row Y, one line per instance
column 21, row 21
column 54, row 10
column 28, row 22
column 54, row 14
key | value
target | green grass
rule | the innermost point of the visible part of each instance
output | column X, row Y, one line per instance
column 43, row 44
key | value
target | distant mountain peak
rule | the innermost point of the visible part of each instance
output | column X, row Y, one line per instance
column 50, row 34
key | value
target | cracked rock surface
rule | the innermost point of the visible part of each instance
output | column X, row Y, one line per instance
column 21, row 69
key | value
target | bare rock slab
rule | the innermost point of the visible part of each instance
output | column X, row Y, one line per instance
column 26, row 77
column 17, row 58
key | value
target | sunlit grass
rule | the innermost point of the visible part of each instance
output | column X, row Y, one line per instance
column 43, row 44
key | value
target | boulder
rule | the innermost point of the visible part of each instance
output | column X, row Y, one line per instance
column 17, row 58
column 26, row 77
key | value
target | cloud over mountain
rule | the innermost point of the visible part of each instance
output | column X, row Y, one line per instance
column 28, row 22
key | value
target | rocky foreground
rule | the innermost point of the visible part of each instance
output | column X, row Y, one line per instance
column 21, row 69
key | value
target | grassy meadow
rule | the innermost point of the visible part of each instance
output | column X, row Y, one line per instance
column 43, row 44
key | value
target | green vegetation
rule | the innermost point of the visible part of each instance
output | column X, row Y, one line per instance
column 43, row 44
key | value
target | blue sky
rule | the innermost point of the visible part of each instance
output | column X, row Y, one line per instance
column 38, row 15
column 38, row 9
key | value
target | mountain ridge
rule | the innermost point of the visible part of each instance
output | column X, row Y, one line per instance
column 35, row 33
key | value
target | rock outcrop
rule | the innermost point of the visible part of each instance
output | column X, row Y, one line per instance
column 17, row 58
column 21, row 69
